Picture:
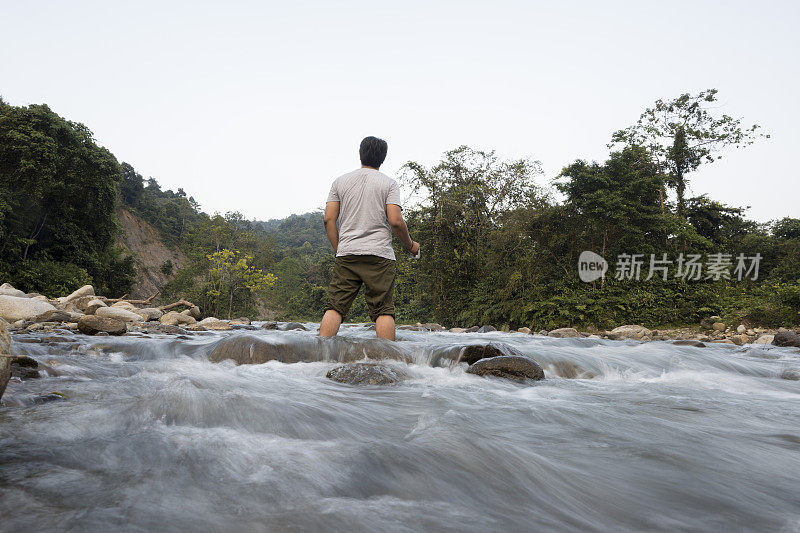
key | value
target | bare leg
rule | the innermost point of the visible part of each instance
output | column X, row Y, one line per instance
column 330, row 323
column 384, row 327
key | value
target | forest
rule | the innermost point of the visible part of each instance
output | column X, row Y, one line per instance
column 500, row 243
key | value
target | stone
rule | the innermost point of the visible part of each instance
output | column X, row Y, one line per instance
column 93, row 305
column 169, row 330
column 457, row 330
column 174, row 318
column 786, row 338
column 195, row 313
column 741, row 329
column 509, row 367
column 708, row 323
column 472, row 353
column 523, row 329
column 563, row 333
column 365, row 374
column 94, row 325
column 723, row 341
column 740, row 339
column 24, row 367
column 150, row 313
column 473, row 329
column 433, row 326
column 6, row 289
column 630, row 331
column 764, row 339
column 54, row 315
column 13, row 308
column 241, row 321
column 293, row 325
column 718, row 326
column 86, row 290
column 486, row 328
column 270, row 324
column 215, row 324
column 249, row 349
column 119, row 313
column 689, row 342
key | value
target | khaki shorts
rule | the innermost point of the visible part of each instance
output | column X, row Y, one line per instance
column 350, row 271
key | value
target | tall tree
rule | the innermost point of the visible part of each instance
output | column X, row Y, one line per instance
column 684, row 133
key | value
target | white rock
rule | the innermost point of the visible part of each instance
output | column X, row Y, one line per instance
column 124, row 305
column 118, row 313
column 215, row 324
column 741, row 329
column 523, row 329
column 13, row 308
column 562, row 333
column 6, row 289
column 93, row 306
column 174, row 318
column 764, row 339
column 630, row 331
column 86, row 290
column 457, row 330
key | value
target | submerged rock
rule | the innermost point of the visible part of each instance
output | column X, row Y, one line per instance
column 293, row 325
column 270, row 324
column 689, row 342
column 786, row 338
column 95, row 325
column 508, row 366
column 486, row 328
column 365, row 374
column 471, row 353
column 254, row 350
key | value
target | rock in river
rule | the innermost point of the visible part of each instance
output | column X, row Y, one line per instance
column 786, row 338
column 365, row 374
column 563, row 333
column 119, row 313
column 94, row 324
column 5, row 359
column 509, row 367
column 13, row 308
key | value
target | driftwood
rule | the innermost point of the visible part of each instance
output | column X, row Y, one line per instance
column 177, row 304
column 138, row 302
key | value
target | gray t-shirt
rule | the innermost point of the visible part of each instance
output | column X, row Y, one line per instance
column 363, row 226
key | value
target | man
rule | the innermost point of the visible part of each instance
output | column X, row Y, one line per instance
column 367, row 205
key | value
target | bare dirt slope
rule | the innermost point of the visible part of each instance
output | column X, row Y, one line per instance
column 149, row 254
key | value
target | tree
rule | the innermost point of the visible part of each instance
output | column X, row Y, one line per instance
column 230, row 275
column 683, row 133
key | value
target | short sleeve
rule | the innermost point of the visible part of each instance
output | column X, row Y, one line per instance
column 393, row 196
column 333, row 196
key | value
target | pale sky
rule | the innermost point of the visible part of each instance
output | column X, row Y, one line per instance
column 258, row 106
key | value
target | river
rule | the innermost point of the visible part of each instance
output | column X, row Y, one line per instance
column 621, row 435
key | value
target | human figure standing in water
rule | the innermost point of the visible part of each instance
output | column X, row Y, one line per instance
column 366, row 204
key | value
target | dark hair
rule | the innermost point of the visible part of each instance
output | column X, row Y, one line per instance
column 373, row 152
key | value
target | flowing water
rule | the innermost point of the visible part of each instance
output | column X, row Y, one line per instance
column 620, row 436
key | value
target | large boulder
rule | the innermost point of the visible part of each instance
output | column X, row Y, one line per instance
column 563, row 333
column 173, row 318
column 786, row 338
column 630, row 331
column 6, row 289
column 508, row 366
column 13, row 308
column 365, row 374
column 118, row 313
column 86, row 290
column 94, row 324
column 764, row 339
column 254, row 350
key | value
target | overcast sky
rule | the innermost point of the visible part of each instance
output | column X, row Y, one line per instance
column 258, row 106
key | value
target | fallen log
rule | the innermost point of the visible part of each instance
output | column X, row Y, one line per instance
column 179, row 303
column 138, row 302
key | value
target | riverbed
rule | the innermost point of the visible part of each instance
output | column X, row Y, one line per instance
column 621, row 435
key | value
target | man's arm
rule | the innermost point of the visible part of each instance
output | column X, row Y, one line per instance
column 398, row 224
column 329, row 219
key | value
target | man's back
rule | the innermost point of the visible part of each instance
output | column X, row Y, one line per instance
column 363, row 226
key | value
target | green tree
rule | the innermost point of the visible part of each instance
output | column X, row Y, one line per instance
column 683, row 133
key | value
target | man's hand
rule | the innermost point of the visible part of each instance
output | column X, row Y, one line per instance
column 414, row 248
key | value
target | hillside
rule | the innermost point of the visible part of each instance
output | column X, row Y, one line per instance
column 149, row 253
